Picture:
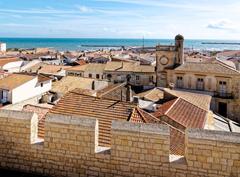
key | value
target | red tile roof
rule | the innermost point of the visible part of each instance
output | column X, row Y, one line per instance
column 161, row 110
column 177, row 137
column 177, row 141
column 41, row 112
column 104, row 110
column 183, row 113
column 140, row 116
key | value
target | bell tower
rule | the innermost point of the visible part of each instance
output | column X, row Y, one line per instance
column 179, row 43
column 168, row 57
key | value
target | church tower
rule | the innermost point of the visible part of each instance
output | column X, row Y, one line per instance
column 168, row 57
column 179, row 40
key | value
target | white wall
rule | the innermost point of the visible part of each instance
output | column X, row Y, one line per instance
column 29, row 90
column 3, row 47
column 13, row 66
column 30, row 64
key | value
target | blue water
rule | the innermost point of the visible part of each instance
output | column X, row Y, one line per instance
column 64, row 44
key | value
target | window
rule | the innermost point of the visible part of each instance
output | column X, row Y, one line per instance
column 179, row 82
column 70, row 74
column 209, row 83
column 150, row 78
column 4, row 96
column 41, row 84
column 190, row 82
column 222, row 88
column 109, row 77
column 137, row 78
column 97, row 76
column 90, row 75
column 200, row 84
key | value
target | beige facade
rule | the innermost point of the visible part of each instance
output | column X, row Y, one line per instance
column 117, row 72
column 215, row 78
column 70, row 148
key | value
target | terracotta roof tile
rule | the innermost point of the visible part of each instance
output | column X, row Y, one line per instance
column 201, row 100
column 102, row 109
column 110, row 88
column 161, row 110
column 41, row 112
column 177, row 137
column 183, row 112
column 141, row 116
column 177, row 142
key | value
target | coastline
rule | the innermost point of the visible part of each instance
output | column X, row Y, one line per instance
column 80, row 44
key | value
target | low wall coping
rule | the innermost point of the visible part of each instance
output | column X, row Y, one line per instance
column 214, row 135
column 16, row 114
column 71, row 120
column 142, row 128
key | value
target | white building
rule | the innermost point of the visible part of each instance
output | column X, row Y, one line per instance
column 3, row 47
column 11, row 64
column 16, row 88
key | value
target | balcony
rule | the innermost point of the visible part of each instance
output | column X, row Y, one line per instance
column 223, row 95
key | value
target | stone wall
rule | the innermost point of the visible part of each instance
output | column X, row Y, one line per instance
column 70, row 149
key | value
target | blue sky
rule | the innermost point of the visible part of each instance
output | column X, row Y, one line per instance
column 195, row 19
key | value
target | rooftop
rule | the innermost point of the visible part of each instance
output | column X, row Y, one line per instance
column 104, row 110
column 201, row 100
column 14, row 80
column 69, row 83
column 128, row 67
column 47, row 68
column 152, row 95
column 177, row 137
column 91, row 67
column 182, row 112
column 214, row 67
column 4, row 61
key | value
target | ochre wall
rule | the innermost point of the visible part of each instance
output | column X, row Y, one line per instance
column 70, row 149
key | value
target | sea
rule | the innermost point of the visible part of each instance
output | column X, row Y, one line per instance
column 80, row 44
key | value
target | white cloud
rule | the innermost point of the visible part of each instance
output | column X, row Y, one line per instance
column 84, row 9
column 223, row 24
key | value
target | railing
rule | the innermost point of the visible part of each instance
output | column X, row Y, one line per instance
column 223, row 95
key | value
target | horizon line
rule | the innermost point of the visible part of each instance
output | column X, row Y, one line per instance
column 113, row 38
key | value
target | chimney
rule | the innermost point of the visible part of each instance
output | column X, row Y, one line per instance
column 129, row 93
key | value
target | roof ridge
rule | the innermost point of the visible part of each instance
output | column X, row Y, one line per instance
column 149, row 92
column 137, row 108
column 172, row 105
column 192, row 103
column 150, row 115
column 226, row 66
column 199, row 94
column 99, row 98
column 117, row 86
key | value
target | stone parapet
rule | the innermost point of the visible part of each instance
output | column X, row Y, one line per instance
column 70, row 148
